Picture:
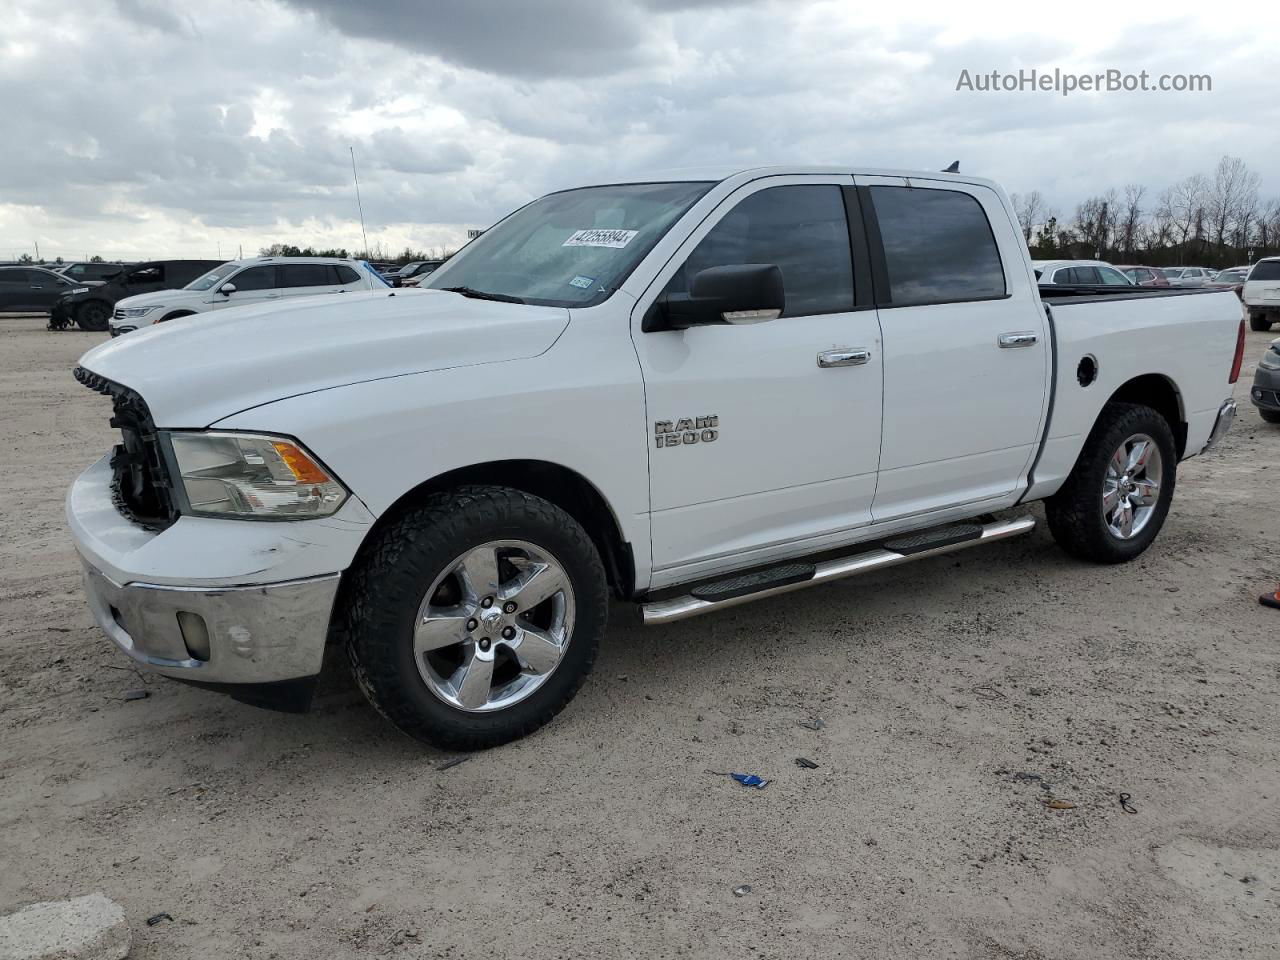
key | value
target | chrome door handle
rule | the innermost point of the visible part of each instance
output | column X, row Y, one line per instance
column 1024, row 339
column 843, row 358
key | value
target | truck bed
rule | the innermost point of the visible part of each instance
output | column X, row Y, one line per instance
column 1101, row 341
column 1054, row 293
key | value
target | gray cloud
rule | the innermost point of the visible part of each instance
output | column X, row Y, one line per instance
column 233, row 125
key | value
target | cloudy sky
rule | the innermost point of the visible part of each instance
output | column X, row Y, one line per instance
column 140, row 128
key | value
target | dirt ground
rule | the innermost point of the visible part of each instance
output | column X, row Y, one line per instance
column 958, row 694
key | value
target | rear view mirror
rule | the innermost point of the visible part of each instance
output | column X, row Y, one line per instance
column 741, row 293
column 227, row 289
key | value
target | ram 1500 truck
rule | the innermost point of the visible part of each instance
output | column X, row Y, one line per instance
column 688, row 391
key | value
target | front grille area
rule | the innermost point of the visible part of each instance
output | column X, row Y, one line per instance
column 118, row 315
column 140, row 486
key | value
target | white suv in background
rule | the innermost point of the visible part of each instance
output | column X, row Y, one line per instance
column 255, row 280
column 1261, row 293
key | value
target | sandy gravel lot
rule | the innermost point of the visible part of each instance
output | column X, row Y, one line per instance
column 945, row 688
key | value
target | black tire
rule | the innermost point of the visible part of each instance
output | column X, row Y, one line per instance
column 1271, row 416
column 1259, row 324
column 1075, row 512
column 388, row 584
column 93, row 316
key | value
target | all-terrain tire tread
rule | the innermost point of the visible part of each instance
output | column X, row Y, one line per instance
column 1074, row 511
column 389, row 564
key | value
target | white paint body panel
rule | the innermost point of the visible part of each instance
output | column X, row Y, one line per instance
column 392, row 391
column 797, row 446
column 962, row 417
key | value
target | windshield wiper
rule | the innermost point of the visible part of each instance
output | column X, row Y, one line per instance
column 482, row 295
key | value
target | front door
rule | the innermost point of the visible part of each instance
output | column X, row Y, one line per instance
column 763, row 438
column 966, row 360
column 253, row 285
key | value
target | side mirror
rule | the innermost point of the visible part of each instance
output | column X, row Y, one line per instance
column 227, row 289
column 741, row 293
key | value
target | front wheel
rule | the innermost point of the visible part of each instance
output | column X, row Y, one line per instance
column 1271, row 416
column 94, row 316
column 1117, row 496
column 1259, row 324
column 474, row 618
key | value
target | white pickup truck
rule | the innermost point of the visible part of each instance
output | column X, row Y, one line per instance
column 690, row 392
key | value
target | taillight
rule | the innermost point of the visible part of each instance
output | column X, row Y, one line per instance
column 1235, row 364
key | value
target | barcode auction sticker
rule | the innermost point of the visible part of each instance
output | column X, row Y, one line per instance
column 600, row 238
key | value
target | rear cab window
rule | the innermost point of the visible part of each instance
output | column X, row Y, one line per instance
column 938, row 247
column 1265, row 270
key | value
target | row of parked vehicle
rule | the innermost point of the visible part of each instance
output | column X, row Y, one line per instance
column 87, row 294
column 145, row 293
column 1257, row 286
column 1100, row 273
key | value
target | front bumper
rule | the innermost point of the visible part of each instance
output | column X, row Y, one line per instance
column 122, row 328
column 231, row 604
column 1265, row 393
column 230, row 635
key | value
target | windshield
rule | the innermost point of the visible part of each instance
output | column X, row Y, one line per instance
column 569, row 249
column 213, row 278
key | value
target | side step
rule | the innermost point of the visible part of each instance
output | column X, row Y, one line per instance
column 745, row 587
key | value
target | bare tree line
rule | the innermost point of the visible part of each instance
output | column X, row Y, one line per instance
column 1216, row 221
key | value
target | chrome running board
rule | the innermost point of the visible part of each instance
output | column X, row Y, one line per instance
column 743, row 588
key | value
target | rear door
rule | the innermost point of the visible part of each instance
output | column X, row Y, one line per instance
column 764, row 437
column 45, row 287
column 253, row 285
column 311, row 279
column 966, row 361
column 13, row 289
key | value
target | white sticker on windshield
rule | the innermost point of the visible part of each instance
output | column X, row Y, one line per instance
column 600, row 238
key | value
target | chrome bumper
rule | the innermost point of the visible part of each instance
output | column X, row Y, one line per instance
column 1226, row 417
column 218, row 635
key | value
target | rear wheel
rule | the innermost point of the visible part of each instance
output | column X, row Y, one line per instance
column 1259, row 323
column 1117, row 497
column 475, row 617
column 94, row 315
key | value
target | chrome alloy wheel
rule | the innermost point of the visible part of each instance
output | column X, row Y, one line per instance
column 1131, row 487
column 494, row 626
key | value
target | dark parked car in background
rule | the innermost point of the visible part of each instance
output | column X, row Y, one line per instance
column 90, row 307
column 1266, row 384
column 88, row 270
column 418, row 268
column 31, row 289
column 1145, row 276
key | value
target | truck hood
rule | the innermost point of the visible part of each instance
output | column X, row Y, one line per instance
column 196, row 370
column 163, row 298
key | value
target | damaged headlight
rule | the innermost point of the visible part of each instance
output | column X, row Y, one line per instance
column 250, row 475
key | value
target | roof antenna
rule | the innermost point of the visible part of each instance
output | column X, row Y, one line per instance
column 954, row 168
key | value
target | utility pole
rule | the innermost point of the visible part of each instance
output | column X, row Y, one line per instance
column 359, row 205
